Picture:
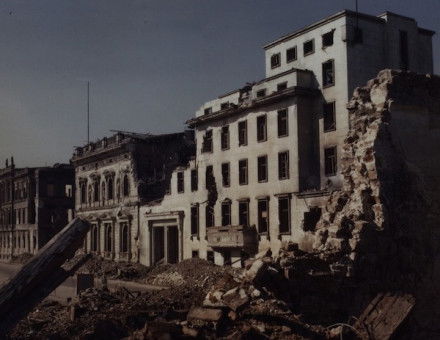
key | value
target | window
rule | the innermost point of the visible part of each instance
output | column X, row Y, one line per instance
column 209, row 216
column 103, row 191
column 243, row 213
column 125, row 186
column 208, row 110
column 209, row 176
column 275, row 60
column 195, row 220
column 180, row 182
column 110, row 188
column 261, row 93
column 207, row 141
column 403, row 47
column 327, row 39
column 224, row 106
column 242, row 133
column 283, row 165
column 284, row 214
column 328, row 73
column 50, row 190
column 262, row 169
column 68, row 190
column 261, row 129
column 283, row 127
column 195, row 254
column 226, row 178
column 118, row 188
column 282, row 86
column 96, row 191
column 124, row 238
column 330, row 161
column 309, row 47
column 226, row 213
column 243, row 172
column 291, row 54
column 329, row 117
column 194, row 180
column 225, row 138
column 263, row 216
column 83, row 193
column 94, row 238
column 311, row 218
column 108, row 237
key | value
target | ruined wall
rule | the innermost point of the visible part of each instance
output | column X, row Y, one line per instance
column 382, row 229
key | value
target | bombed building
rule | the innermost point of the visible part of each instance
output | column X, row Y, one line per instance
column 35, row 203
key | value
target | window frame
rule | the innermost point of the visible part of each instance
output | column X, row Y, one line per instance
column 261, row 218
column 195, row 220
column 286, row 111
column 240, row 128
column 180, row 182
column 225, row 138
column 287, row 165
column 283, row 85
column 245, row 173
column 312, row 41
column 226, row 217
column 325, row 114
column 264, row 139
column 324, row 83
column 266, row 172
column 334, row 157
column 294, row 48
column 325, row 36
column 194, row 180
column 261, row 93
column 226, row 180
column 289, row 211
column 240, row 216
column 278, row 58
column 207, row 140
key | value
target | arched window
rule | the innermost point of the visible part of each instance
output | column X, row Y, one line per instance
column 94, row 238
column 124, row 237
column 108, row 240
column 126, row 187
column 110, row 188
column 83, row 193
column 118, row 188
column 96, row 191
column 103, row 191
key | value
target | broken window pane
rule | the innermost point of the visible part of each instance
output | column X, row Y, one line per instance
column 283, row 128
column 108, row 237
column 207, row 141
column 209, row 175
column 283, row 165
column 242, row 133
column 262, row 169
column 224, row 106
column 309, row 47
column 261, row 129
column 329, row 116
column 327, row 39
column 330, row 161
column 275, row 60
column 328, row 73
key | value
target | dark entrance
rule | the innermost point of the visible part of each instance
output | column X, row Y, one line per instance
column 158, row 245
column 173, row 244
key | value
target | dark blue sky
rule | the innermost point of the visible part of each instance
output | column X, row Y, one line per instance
column 151, row 63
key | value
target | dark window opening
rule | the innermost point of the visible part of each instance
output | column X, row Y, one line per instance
column 261, row 129
column 83, row 193
column 263, row 216
column 282, row 86
column 195, row 254
column 404, row 60
column 328, row 73
column 209, row 174
column 327, row 39
column 261, row 93
column 330, row 161
column 226, row 213
column 291, row 54
column 243, row 172
column 283, row 165
column 224, row 106
column 243, row 213
column 125, row 186
column 124, row 238
column 96, row 191
column 210, row 256
column 242, row 133
column 283, row 127
column 208, row 110
column 225, row 138
column 194, row 220
column 110, row 189
column 226, row 174
column 194, row 180
column 227, row 257
column 275, row 60
column 262, row 169
column 309, row 47
column 209, row 216
column 108, row 239
column 311, row 218
column 284, row 214
column 180, row 182
column 207, row 141
column 329, row 117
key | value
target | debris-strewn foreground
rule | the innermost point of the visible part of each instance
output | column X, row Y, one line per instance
column 374, row 253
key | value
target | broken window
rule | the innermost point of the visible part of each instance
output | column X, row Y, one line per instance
column 329, row 117
column 261, row 129
column 261, row 93
column 309, row 47
column 124, row 237
column 194, row 180
column 403, row 46
column 94, row 237
column 263, row 216
column 225, row 137
column 207, row 141
column 243, row 172
column 283, row 165
column 284, row 214
column 226, row 178
column 283, row 127
column 226, row 213
column 330, row 161
column 224, row 106
column 209, row 216
column 125, row 186
column 208, row 175
column 195, row 220
column 208, row 110
column 242, row 133
column 291, row 54
column 275, row 60
column 311, row 217
column 282, row 86
column 108, row 237
column 328, row 73
column 243, row 213
column 180, row 182
column 327, row 39
column 110, row 188
column 262, row 168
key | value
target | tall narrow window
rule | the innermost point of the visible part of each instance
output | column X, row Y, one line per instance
column 83, row 194
column 180, row 182
column 209, row 216
column 195, row 220
column 103, row 197
column 262, row 168
column 328, row 73
column 243, row 172
column 261, row 129
column 309, row 47
column 118, row 188
column 194, row 180
column 225, row 137
column 275, row 60
column 96, row 191
column 327, row 39
column 243, row 213
column 330, row 163
column 283, row 126
column 242, row 133
column 94, row 237
column 207, row 110
column 329, row 117
column 209, row 176
column 291, row 54
column 284, row 214
column 403, row 45
column 124, row 237
column 207, row 141
column 108, row 237
column 226, row 213
column 283, row 165
column 125, row 186
column 110, row 188
column 226, row 177
column 263, row 216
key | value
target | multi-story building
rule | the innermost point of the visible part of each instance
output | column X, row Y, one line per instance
column 35, row 203
column 268, row 154
column 114, row 177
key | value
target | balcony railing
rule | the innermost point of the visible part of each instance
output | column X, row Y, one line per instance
column 233, row 237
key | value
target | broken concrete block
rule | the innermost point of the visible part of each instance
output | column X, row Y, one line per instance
column 256, row 270
column 205, row 314
column 214, row 299
column 235, row 298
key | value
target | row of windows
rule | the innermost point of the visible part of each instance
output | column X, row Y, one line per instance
column 109, row 239
column 20, row 216
column 107, row 191
column 19, row 190
column 243, row 215
column 20, row 241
